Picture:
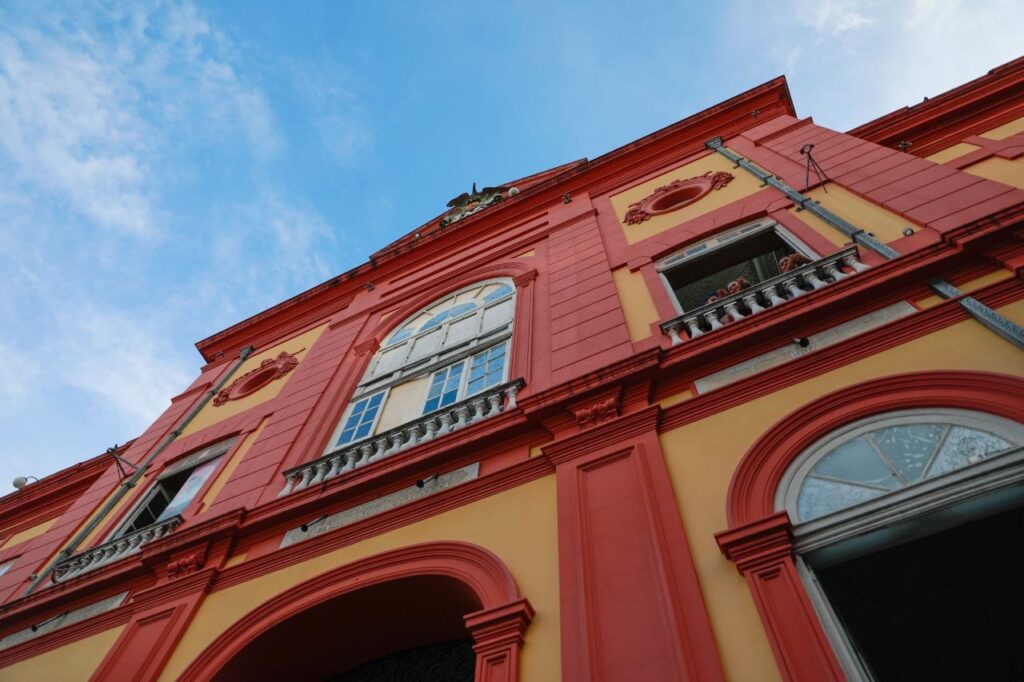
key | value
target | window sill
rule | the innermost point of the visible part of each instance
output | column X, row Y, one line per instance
column 437, row 424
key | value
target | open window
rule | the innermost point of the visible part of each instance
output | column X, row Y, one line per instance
column 731, row 262
column 174, row 489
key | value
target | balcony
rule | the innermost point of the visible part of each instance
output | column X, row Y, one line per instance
column 109, row 552
column 449, row 419
column 768, row 294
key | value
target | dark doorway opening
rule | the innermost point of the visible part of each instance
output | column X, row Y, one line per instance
column 949, row 606
column 444, row 662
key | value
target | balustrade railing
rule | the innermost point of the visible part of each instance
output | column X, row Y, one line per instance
column 449, row 419
column 108, row 552
column 759, row 297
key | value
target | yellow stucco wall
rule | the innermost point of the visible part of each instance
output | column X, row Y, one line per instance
column 518, row 525
column 211, row 414
column 884, row 225
column 702, row 457
column 1004, row 131
column 1007, row 171
column 29, row 533
column 637, row 304
column 70, row 663
column 954, row 152
column 743, row 184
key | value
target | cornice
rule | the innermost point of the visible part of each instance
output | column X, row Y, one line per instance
column 594, row 438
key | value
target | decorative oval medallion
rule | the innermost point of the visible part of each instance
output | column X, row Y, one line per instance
column 675, row 195
column 269, row 370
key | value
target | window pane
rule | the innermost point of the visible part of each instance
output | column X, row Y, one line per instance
column 500, row 292
column 965, row 446
column 189, row 489
column 856, row 461
column 909, row 447
column 360, row 420
column 486, row 369
column 819, row 497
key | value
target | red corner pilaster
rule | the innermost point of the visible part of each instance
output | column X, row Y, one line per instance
column 497, row 639
column 763, row 553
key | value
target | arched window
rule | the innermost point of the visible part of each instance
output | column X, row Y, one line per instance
column 455, row 348
column 906, row 527
column 889, row 453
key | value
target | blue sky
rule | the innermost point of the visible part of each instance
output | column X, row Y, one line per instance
column 169, row 169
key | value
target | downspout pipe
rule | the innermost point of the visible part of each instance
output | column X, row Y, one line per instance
column 131, row 481
column 988, row 317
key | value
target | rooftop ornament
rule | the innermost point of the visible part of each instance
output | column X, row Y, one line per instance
column 468, row 203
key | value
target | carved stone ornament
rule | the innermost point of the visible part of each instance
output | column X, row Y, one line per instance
column 468, row 203
column 269, row 370
column 675, row 195
column 597, row 412
column 186, row 564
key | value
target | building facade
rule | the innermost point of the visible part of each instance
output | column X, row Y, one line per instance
column 740, row 400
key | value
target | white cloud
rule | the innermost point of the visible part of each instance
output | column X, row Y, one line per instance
column 833, row 17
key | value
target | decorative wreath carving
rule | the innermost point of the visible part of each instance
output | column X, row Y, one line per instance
column 269, row 370
column 596, row 413
column 675, row 195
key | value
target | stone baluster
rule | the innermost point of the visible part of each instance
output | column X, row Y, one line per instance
column 479, row 405
column 673, row 333
column 431, row 426
column 307, row 476
column 494, row 399
column 854, row 263
column 790, row 285
column 811, row 277
column 693, row 325
column 380, row 445
column 510, row 393
column 711, row 317
column 771, row 294
column 319, row 471
column 832, row 270
column 733, row 309
column 289, row 484
column 335, row 467
column 446, row 422
column 752, row 305
column 397, row 441
column 461, row 417
column 412, row 435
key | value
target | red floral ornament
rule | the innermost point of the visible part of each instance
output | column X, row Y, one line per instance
column 675, row 195
column 255, row 379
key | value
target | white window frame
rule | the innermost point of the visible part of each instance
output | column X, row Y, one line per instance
column 464, row 379
column 724, row 240
column 916, row 510
column 333, row 444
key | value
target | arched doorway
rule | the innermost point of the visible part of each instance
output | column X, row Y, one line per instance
column 858, row 516
column 439, row 611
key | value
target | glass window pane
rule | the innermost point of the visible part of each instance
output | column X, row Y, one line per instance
column 909, row 447
column 501, row 292
column 360, row 421
column 189, row 489
column 965, row 446
column 819, row 497
column 856, row 461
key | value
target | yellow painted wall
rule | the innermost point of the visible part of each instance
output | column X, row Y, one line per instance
column 211, row 414
column 1007, row 171
column 405, row 403
column 1006, row 130
column 954, row 152
column 637, row 304
column 702, row 457
column 29, row 533
column 527, row 254
column 518, row 525
column 743, row 184
column 884, row 225
column 70, row 663
column 968, row 287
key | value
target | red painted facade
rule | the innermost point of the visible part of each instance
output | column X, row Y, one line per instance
column 595, row 414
